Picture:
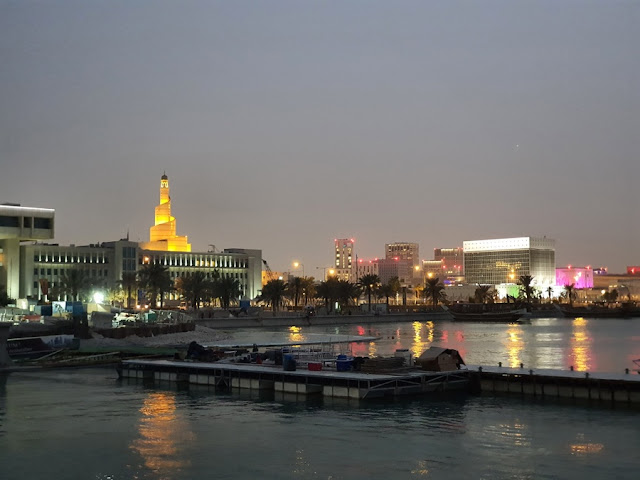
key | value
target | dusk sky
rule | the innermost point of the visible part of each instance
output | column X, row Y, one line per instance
column 285, row 124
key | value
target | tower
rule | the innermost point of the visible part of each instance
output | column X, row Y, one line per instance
column 162, row 235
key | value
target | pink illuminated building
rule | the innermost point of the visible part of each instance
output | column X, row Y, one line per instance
column 580, row 277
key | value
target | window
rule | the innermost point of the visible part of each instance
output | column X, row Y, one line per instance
column 35, row 271
column 48, row 271
column 6, row 221
column 42, row 223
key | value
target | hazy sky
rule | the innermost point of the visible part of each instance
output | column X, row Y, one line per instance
column 285, row 124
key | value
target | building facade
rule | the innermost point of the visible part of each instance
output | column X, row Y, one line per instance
column 452, row 260
column 344, row 259
column 19, row 224
column 577, row 276
column 44, row 265
column 504, row 260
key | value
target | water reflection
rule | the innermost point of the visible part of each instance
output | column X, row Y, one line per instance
column 421, row 469
column 164, row 437
column 580, row 356
column 514, row 345
column 583, row 448
column 295, row 335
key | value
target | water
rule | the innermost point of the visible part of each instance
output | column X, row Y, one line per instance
column 85, row 423
column 594, row 345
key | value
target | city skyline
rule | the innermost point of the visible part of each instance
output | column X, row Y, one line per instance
column 284, row 126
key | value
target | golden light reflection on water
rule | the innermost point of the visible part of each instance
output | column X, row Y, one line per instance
column 421, row 469
column 514, row 345
column 421, row 339
column 516, row 433
column 580, row 345
column 295, row 335
column 583, row 448
column 163, row 436
column 372, row 349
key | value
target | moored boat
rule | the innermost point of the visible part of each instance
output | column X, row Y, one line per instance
column 479, row 312
column 596, row 311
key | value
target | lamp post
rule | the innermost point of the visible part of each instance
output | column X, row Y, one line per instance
column 298, row 264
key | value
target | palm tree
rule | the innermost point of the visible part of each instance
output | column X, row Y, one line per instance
column 434, row 289
column 346, row 292
column 226, row 289
column 526, row 288
column 73, row 283
column 194, row 288
column 327, row 292
column 483, row 294
column 550, row 291
column 308, row 288
column 386, row 290
column 156, row 280
column 610, row 296
column 294, row 289
column 273, row 293
column 570, row 293
column 129, row 282
column 369, row 282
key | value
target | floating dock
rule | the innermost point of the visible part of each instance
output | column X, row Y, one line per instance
column 329, row 383
column 547, row 383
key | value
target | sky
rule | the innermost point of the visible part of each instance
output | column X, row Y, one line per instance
column 285, row 124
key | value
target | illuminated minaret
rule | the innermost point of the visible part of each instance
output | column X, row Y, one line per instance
column 162, row 236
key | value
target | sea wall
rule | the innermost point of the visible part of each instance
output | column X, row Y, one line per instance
column 301, row 321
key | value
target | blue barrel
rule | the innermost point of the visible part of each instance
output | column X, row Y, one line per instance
column 288, row 363
column 343, row 364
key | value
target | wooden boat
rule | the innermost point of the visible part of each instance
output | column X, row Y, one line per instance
column 596, row 311
column 479, row 312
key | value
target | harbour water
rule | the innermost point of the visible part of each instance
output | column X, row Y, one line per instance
column 86, row 423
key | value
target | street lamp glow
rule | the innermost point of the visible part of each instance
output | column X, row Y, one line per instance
column 98, row 297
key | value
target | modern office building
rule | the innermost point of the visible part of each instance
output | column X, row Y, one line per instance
column 452, row 260
column 403, row 251
column 504, row 260
column 396, row 267
column 344, row 258
column 18, row 224
column 366, row 267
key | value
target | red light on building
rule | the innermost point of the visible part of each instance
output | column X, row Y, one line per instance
column 634, row 270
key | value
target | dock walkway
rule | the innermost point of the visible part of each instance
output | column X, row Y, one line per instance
column 540, row 382
column 330, row 383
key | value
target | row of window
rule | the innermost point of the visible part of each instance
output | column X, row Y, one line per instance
column 68, row 258
column 191, row 261
column 38, row 222
column 54, row 272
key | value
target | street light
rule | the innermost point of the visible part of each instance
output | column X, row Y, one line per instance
column 298, row 264
column 324, row 272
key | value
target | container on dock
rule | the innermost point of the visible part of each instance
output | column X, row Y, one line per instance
column 288, row 363
column 343, row 364
column 314, row 366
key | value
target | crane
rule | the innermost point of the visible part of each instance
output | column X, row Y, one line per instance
column 270, row 276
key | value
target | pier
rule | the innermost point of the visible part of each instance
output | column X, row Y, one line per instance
column 615, row 388
column 329, row 383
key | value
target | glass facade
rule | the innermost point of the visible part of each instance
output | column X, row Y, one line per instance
column 486, row 263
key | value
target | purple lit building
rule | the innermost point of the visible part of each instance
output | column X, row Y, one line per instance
column 580, row 277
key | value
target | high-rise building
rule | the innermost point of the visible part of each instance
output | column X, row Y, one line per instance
column 505, row 260
column 452, row 260
column 162, row 235
column 403, row 251
column 344, row 259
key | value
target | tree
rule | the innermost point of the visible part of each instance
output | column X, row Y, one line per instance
column 226, row 289
column 386, row 290
column 610, row 296
column 194, row 288
column 434, row 289
column 4, row 298
column 273, row 293
column 156, row 280
column 346, row 292
column 483, row 294
column 73, row 283
column 369, row 283
column 327, row 292
column 294, row 289
column 129, row 283
column 550, row 291
column 526, row 288
column 308, row 288
column 570, row 293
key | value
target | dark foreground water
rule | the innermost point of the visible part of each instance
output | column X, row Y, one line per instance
column 87, row 424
